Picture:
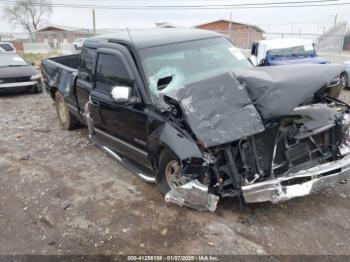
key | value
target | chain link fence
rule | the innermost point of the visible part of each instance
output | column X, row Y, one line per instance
column 334, row 40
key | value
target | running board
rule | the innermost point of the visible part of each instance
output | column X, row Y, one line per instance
column 130, row 166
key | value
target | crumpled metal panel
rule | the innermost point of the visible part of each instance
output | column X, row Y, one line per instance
column 276, row 90
column 316, row 118
column 193, row 195
column 219, row 110
column 59, row 76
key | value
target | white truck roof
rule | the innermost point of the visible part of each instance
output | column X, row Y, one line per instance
column 266, row 45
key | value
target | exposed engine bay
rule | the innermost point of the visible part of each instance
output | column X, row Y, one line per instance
column 250, row 151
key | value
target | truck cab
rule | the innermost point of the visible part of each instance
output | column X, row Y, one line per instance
column 284, row 51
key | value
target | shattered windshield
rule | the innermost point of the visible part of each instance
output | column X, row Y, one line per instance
column 11, row 60
column 300, row 50
column 171, row 67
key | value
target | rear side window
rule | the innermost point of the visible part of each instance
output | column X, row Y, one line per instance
column 6, row 47
column 87, row 64
column 110, row 72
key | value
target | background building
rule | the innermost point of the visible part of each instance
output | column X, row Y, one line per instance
column 54, row 34
column 241, row 34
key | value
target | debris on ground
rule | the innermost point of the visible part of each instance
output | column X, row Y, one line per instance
column 25, row 157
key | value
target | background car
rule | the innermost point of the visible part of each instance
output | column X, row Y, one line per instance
column 17, row 75
column 285, row 51
column 7, row 47
column 78, row 43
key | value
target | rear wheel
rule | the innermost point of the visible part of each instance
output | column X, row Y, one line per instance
column 66, row 119
column 169, row 173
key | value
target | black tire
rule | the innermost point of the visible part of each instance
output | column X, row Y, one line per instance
column 344, row 80
column 38, row 89
column 161, row 183
column 66, row 119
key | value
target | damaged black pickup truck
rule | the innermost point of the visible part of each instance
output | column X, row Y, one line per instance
column 184, row 109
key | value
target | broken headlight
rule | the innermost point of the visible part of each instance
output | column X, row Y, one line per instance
column 344, row 147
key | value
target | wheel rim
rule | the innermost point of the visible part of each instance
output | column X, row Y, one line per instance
column 343, row 81
column 173, row 176
column 62, row 111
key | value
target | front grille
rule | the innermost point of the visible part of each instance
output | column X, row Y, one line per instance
column 15, row 79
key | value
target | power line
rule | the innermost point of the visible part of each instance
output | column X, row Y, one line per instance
column 205, row 5
column 290, row 4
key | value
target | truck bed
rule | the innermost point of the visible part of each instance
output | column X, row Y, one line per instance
column 60, row 74
column 70, row 61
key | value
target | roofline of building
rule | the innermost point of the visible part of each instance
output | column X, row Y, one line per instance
column 232, row 21
column 61, row 27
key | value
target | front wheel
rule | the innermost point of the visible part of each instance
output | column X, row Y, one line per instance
column 169, row 173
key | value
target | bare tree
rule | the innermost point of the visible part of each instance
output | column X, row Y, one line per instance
column 28, row 14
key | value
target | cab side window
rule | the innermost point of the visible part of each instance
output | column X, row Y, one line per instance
column 87, row 64
column 110, row 72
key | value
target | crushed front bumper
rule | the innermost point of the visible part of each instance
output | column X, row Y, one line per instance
column 298, row 184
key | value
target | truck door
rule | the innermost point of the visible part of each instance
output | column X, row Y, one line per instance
column 84, row 82
column 121, row 126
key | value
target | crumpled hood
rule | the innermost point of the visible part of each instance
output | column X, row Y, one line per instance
column 299, row 60
column 218, row 110
column 17, row 71
column 276, row 90
column 222, row 109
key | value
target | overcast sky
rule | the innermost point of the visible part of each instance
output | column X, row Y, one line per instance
column 306, row 19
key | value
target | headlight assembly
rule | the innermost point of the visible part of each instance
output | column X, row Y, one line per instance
column 35, row 77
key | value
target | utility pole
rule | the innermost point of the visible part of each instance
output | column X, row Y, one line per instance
column 93, row 21
column 335, row 19
column 230, row 27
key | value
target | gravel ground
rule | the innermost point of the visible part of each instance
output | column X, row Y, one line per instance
column 59, row 194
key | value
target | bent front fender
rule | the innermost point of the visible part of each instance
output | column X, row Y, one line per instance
column 170, row 138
